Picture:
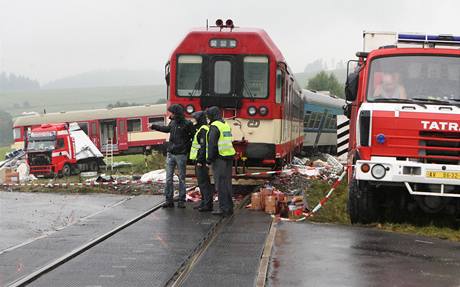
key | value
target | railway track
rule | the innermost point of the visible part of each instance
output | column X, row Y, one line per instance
column 177, row 274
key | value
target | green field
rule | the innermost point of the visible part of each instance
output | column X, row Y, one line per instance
column 3, row 151
column 77, row 99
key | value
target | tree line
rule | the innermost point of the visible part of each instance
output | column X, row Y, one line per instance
column 13, row 82
column 324, row 81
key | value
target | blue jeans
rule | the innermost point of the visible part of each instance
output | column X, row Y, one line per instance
column 173, row 160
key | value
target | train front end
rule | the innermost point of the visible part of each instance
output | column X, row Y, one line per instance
column 242, row 72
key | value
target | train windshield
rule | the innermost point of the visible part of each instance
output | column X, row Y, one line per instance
column 189, row 75
column 255, row 77
column 431, row 79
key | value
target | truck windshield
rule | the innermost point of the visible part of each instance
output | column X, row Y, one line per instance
column 433, row 79
column 41, row 145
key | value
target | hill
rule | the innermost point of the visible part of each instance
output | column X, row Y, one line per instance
column 108, row 78
column 57, row 100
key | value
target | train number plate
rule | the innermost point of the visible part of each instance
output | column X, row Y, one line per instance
column 443, row 174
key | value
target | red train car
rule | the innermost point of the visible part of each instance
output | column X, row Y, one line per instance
column 126, row 129
column 243, row 72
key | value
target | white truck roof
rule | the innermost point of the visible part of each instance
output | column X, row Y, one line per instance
column 373, row 40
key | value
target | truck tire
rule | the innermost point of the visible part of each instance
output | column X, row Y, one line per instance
column 362, row 203
column 66, row 170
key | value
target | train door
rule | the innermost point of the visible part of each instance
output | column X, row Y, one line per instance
column 122, row 134
column 94, row 134
column 109, row 134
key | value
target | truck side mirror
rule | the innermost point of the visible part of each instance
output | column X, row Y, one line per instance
column 351, row 86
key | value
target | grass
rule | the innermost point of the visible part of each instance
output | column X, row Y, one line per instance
column 4, row 150
column 57, row 100
column 335, row 211
column 140, row 164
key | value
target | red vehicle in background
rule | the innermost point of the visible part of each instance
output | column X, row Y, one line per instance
column 404, row 110
column 124, row 130
column 61, row 149
column 243, row 72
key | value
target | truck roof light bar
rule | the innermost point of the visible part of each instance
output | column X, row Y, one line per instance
column 429, row 39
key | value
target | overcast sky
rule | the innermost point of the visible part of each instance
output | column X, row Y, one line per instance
column 49, row 39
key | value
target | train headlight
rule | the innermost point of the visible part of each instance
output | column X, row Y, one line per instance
column 252, row 111
column 190, row 109
column 263, row 111
column 378, row 171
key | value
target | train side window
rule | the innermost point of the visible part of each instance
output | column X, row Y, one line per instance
column 189, row 75
column 318, row 118
column 84, row 127
column 59, row 143
column 306, row 119
column 279, row 86
column 134, row 125
column 333, row 122
column 157, row 121
column 17, row 133
column 222, row 77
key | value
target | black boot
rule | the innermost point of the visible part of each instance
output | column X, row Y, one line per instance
column 181, row 204
column 168, row 204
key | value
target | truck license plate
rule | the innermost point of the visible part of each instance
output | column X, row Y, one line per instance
column 443, row 174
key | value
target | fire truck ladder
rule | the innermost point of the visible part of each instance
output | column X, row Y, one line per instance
column 109, row 154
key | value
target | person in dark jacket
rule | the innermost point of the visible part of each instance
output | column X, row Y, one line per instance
column 220, row 156
column 180, row 132
column 198, row 154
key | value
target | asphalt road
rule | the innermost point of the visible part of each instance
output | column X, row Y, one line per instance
column 307, row 254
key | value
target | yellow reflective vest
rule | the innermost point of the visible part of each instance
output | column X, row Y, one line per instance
column 196, row 145
column 225, row 145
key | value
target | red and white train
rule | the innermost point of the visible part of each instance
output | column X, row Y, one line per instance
column 126, row 129
column 243, row 72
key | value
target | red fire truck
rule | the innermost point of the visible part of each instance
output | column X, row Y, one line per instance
column 404, row 109
column 61, row 149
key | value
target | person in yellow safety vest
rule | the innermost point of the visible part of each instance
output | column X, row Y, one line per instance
column 220, row 156
column 198, row 154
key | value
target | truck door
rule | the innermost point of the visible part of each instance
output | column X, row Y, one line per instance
column 122, row 134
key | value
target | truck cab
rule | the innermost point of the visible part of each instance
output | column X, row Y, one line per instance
column 404, row 109
column 49, row 149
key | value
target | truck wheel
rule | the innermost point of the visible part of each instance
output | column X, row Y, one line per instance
column 66, row 170
column 362, row 203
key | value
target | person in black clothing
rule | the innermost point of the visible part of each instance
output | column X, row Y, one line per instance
column 198, row 154
column 221, row 165
column 180, row 134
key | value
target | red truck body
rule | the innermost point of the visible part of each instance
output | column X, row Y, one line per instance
column 404, row 110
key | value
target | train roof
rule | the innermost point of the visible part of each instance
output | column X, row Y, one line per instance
column 249, row 40
column 87, row 115
column 324, row 100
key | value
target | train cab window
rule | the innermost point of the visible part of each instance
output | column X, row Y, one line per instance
column 222, row 77
column 189, row 75
column 17, row 133
column 279, row 86
column 156, row 121
column 84, row 127
column 134, row 125
column 255, row 77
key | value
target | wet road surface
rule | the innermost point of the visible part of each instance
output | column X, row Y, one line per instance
column 25, row 216
column 307, row 254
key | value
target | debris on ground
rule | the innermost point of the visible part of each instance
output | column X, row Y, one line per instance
column 286, row 196
column 158, row 175
column 120, row 164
